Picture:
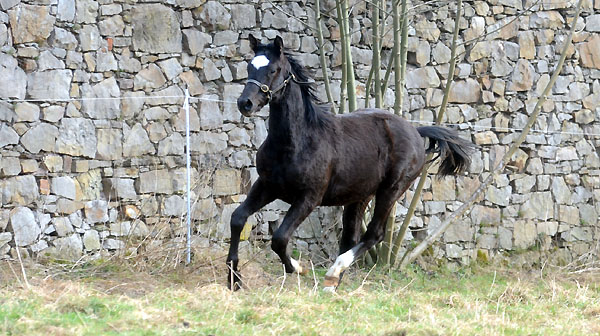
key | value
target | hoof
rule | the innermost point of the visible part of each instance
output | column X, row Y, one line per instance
column 235, row 286
column 234, row 281
column 331, row 282
column 303, row 269
column 297, row 267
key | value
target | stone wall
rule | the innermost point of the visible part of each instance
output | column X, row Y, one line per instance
column 92, row 127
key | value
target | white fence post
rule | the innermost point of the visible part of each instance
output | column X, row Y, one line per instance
column 186, row 107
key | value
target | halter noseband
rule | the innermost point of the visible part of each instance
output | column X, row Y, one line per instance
column 266, row 90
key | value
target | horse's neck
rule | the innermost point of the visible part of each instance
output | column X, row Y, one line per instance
column 287, row 123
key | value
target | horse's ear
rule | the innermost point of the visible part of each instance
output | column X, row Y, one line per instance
column 279, row 43
column 253, row 42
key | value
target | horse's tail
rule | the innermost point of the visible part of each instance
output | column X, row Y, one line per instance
column 451, row 149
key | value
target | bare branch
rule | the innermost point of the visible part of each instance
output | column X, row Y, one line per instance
column 322, row 54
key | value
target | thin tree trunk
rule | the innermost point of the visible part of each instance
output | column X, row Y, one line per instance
column 397, row 21
column 419, row 189
column 388, row 71
column 400, row 66
column 403, row 54
column 347, row 40
column 322, row 54
column 376, row 66
column 368, row 88
column 343, row 84
column 417, row 251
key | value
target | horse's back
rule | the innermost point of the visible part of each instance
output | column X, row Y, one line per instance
column 379, row 124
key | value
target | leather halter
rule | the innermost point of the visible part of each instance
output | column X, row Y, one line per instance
column 265, row 88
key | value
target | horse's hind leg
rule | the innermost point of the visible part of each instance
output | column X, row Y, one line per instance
column 384, row 200
column 351, row 220
column 257, row 198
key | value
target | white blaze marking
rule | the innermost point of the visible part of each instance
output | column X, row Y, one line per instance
column 342, row 262
column 260, row 61
column 296, row 265
column 329, row 289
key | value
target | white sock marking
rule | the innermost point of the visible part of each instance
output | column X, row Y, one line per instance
column 296, row 265
column 329, row 289
column 342, row 262
column 260, row 61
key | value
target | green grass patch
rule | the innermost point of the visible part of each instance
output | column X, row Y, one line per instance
column 111, row 298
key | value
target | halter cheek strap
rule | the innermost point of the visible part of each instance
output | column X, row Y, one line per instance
column 266, row 90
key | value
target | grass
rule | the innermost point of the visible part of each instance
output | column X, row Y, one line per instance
column 114, row 297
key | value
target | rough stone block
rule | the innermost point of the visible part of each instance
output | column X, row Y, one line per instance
column 525, row 234
column 50, row 84
column 487, row 241
column 547, row 228
column 10, row 166
column 137, row 142
column 454, row 251
column 226, row 182
column 194, row 84
column 195, row 41
column 243, row 16
column 77, row 137
column 67, row 207
column 215, row 15
column 156, row 29
column 590, row 53
column 540, row 205
column 40, row 137
column 459, row 231
column 14, row 81
column 21, row 190
column 499, row 196
column 173, row 206
column 109, row 144
column 67, row 248
column 204, row 209
column 422, row 78
column 31, row 23
column 24, row 226
column 155, row 181
column 208, row 142
column 588, row 214
column 239, row 137
column 63, row 226
column 172, row 145
column 91, row 240
column 96, row 211
column 64, row 186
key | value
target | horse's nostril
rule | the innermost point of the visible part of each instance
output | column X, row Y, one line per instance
column 244, row 105
column 248, row 105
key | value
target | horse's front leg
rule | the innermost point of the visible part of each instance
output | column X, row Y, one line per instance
column 258, row 197
column 298, row 211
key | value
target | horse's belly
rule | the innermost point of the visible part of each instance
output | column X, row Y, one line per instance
column 351, row 190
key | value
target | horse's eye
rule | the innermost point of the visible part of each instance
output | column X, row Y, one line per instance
column 273, row 71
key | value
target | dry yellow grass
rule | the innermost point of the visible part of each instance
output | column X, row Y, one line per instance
column 122, row 298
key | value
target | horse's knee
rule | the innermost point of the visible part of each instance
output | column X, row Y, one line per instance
column 238, row 219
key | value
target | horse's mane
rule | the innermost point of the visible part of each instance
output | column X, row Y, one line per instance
column 316, row 111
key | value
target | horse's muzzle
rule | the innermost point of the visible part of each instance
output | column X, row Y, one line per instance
column 245, row 106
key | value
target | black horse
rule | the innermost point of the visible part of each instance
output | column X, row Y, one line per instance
column 312, row 157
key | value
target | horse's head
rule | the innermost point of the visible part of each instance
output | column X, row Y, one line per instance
column 268, row 74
